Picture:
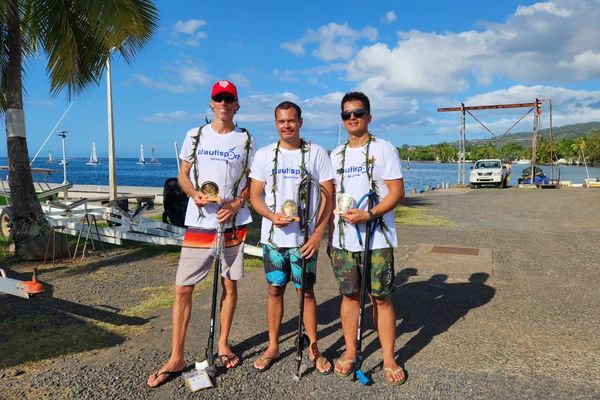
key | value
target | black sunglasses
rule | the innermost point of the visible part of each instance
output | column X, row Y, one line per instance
column 227, row 97
column 359, row 113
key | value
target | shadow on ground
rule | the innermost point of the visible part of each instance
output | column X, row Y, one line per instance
column 45, row 327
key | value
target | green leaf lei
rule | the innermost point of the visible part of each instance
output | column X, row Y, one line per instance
column 194, row 161
column 369, row 165
column 303, row 150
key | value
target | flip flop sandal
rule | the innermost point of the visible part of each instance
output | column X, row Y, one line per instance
column 170, row 376
column 343, row 363
column 230, row 359
column 394, row 374
column 326, row 360
column 269, row 361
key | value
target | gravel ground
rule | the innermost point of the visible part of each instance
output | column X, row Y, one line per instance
column 529, row 331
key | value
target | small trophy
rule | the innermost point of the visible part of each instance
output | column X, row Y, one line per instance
column 289, row 208
column 344, row 203
column 211, row 191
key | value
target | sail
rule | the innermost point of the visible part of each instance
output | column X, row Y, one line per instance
column 50, row 158
column 93, row 156
column 154, row 160
column 141, row 160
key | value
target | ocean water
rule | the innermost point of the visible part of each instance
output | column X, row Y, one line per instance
column 417, row 175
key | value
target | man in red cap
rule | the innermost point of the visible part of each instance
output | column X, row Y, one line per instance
column 215, row 161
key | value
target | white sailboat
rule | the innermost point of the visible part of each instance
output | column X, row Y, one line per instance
column 50, row 158
column 93, row 156
column 154, row 160
column 141, row 160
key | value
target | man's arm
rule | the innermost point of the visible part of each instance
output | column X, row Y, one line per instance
column 188, row 187
column 325, row 211
column 257, row 189
column 389, row 202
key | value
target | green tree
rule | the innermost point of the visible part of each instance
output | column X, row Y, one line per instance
column 579, row 148
column 446, row 152
column 77, row 38
column 512, row 151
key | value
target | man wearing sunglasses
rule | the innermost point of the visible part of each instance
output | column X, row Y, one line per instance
column 215, row 156
column 363, row 164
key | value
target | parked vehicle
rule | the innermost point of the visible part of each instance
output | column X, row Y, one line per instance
column 489, row 172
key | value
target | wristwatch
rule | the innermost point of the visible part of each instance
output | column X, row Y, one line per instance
column 371, row 216
column 242, row 200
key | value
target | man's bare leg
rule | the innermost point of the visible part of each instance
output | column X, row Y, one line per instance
column 182, row 310
column 227, row 307
column 274, row 316
column 384, row 317
column 349, row 317
column 310, row 326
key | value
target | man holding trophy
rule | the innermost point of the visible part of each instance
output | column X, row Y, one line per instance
column 368, row 185
column 278, row 174
column 215, row 160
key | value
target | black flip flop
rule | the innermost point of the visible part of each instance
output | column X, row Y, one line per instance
column 170, row 376
column 227, row 359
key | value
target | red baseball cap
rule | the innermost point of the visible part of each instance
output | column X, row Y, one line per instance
column 223, row 87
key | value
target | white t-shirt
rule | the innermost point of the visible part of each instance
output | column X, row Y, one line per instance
column 356, row 184
column 288, row 179
column 220, row 159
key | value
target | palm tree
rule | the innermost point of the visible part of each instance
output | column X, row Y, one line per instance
column 76, row 37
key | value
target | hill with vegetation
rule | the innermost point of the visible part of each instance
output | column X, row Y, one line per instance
column 576, row 143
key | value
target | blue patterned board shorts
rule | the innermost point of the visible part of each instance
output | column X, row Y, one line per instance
column 348, row 274
column 281, row 264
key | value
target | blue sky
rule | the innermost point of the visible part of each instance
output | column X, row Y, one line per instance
column 409, row 57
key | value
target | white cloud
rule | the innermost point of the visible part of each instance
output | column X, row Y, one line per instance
column 186, row 33
column 185, row 78
column 239, row 79
column 174, row 116
column 188, row 27
column 389, row 17
column 154, row 84
column 554, row 41
column 334, row 41
column 546, row 7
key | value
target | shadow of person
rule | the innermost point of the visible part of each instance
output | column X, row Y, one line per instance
column 431, row 307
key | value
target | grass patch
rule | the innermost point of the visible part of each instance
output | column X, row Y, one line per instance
column 419, row 216
column 37, row 333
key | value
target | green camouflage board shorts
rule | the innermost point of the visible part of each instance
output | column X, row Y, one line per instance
column 348, row 274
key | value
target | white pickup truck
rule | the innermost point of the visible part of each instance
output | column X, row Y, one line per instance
column 489, row 172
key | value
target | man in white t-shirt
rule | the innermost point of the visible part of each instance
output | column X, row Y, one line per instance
column 363, row 164
column 278, row 173
column 215, row 161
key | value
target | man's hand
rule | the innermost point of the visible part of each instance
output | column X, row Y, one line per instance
column 280, row 220
column 311, row 247
column 228, row 210
column 355, row 216
column 200, row 199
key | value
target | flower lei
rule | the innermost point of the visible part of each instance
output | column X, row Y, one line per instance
column 303, row 151
column 194, row 161
column 369, row 164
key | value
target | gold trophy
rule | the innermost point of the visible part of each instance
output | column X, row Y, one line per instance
column 289, row 208
column 344, row 203
column 211, row 191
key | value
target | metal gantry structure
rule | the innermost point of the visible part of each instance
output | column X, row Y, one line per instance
column 536, row 105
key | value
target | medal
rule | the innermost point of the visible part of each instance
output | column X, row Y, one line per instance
column 211, row 191
column 289, row 208
column 344, row 203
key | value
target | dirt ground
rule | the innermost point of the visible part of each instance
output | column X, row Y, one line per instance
column 529, row 330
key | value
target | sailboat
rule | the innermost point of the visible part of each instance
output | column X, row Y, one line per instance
column 50, row 158
column 154, row 160
column 141, row 160
column 93, row 156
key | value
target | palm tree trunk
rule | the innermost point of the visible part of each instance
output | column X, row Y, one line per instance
column 28, row 218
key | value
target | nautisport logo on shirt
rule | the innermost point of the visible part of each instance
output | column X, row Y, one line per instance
column 220, row 154
column 354, row 170
column 287, row 171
